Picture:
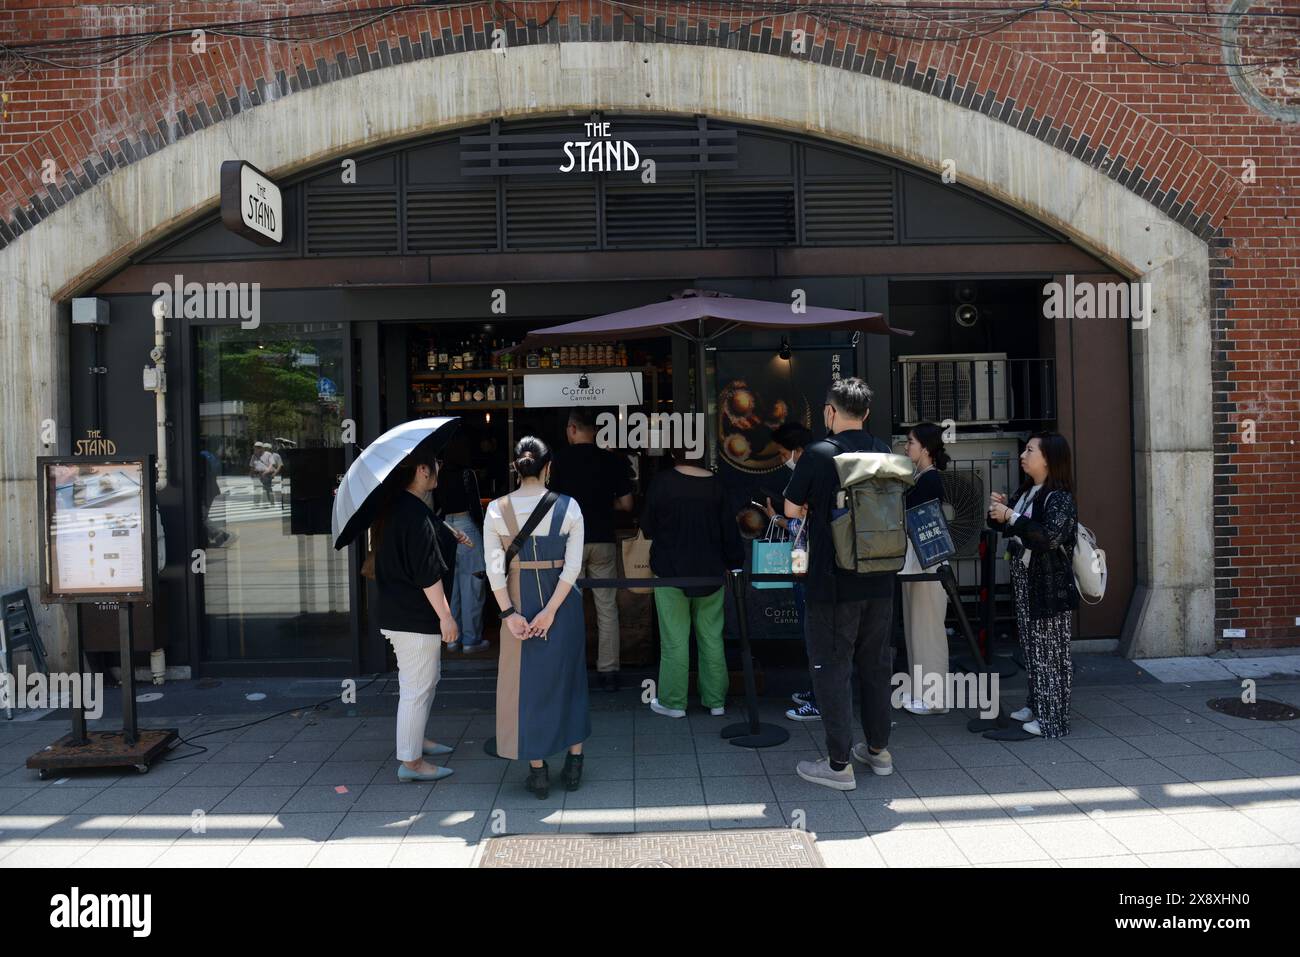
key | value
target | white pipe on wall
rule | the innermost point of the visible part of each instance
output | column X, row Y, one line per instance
column 159, row 356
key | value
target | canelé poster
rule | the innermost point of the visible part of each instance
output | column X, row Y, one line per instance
column 757, row 392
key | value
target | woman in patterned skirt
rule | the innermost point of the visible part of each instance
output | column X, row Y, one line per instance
column 542, row 674
column 1041, row 522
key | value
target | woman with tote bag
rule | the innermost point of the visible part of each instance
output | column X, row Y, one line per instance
column 925, row 603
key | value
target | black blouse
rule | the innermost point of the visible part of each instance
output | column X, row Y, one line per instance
column 1050, row 538
column 685, row 519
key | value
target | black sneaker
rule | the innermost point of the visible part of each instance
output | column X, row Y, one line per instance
column 805, row 712
column 803, row 697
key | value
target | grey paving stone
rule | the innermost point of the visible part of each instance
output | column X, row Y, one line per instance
column 601, row 820
column 1278, row 855
column 665, row 792
column 1038, row 806
column 219, row 774
column 265, row 854
column 392, row 797
column 666, row 766
column 848, row 849
column 792, row 788
column 121, row 800
column 682, row 817
column 1223, row 742
column 47, row 856
column 609, row 746
column 1263, row 763
column 1282, row 821
column 1163, row 745
column 1128, row 725
column 892, row 814
column 929, row 847
column 1139, row 771
column 1074, row 839
column 256, row 800
column 1203, row 767
column 362, row 749
column 994, row 843
column 1042, row 751
column 966, row 810
column 184, row 800
column 1188, row 859
column 1151, row 835
column 1075, row 774
column 453, row 794
column 355, row 774
column 603, row 794
column 1220, row 829
column 741, row 814
column 299, row 828
column 1114, row 801
column 447, row 825
column 983, row 754
column 372, row 827
column 729, row 763
column 1184, row 722
column 321, row 798
column 1097, row 706
column 476, row 772
column 644, row 744
column 226, row 828
column 1104, row 863
column 1103, row 749
column 822, row 816
column 1002, row 780
column 599, row 769
column 929, row 758
column 271, row 775
column 305, row 751
column 244, row 752
column 351, row 855
column 738, row 790
column 544, row 819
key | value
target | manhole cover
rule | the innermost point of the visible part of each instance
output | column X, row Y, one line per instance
column 742, row 848
column 1255, row 710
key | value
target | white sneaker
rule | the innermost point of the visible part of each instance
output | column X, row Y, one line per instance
column 717, row 712
column 882, row 763
column 1033, row 728
column 916, row 706
column 1024, row 714
column 820, row 772
column 657, row 708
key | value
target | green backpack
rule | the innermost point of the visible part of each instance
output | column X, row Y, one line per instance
column 868, row 522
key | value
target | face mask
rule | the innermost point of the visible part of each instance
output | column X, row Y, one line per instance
column 789, row 463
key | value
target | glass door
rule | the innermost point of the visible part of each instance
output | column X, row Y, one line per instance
column 270, row 456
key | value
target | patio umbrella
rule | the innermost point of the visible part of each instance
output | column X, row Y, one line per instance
column 358, row 497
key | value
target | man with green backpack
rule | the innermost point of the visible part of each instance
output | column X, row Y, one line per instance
column 854, row 488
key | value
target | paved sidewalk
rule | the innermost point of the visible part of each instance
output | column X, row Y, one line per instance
column 1148, row 777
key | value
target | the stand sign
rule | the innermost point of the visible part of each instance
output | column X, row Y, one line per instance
column 251, row 204
column 96, row 515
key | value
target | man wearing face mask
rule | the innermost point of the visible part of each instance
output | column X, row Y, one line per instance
column 849, row 615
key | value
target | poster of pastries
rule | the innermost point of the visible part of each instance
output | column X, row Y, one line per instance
column 96, row 530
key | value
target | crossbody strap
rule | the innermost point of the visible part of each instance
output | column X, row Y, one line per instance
column 539, row 512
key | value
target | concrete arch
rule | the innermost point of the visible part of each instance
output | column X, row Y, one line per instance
column 90, row 237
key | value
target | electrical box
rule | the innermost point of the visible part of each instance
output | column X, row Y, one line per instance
column 154, row 381
column 89, row 311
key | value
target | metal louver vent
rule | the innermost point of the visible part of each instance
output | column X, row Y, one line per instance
column 550, row 215
column 647, row 217
column 848, row 213
column 749, row 215
column 351, row 222
column 451, row 221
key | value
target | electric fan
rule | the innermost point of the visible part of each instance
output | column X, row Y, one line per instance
column 965, row 505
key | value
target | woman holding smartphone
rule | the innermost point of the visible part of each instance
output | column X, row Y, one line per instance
column 1040, row 523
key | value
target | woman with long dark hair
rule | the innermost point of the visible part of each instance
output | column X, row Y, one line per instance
column 925, row 603
column 413, row 612
column 542, row 673
column 1041, row 522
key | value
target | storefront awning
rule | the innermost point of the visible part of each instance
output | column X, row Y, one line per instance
column 702, row 316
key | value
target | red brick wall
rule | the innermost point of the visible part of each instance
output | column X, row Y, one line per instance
column 1175, row 130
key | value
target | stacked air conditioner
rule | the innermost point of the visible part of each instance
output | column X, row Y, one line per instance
column 965, row 388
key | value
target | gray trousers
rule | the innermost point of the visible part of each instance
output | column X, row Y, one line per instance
column 842, row 636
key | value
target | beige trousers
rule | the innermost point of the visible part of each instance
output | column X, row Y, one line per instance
column 599, row 561
column 924, row 606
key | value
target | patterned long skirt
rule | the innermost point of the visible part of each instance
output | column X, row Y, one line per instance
column 1046, row 645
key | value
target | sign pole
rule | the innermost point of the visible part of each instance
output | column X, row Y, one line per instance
column 126, row 632
column 753, row 733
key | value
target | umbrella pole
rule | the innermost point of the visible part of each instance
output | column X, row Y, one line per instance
column 702, row 401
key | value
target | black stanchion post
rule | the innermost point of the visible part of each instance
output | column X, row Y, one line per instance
column 126, row 629
column 753, row 734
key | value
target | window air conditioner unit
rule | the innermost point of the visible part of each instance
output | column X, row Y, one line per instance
column 969, row 388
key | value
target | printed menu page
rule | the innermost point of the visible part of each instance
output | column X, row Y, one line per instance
column 96, row 529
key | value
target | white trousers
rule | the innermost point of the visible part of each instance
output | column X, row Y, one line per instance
column 925, row 605
column 419, row 666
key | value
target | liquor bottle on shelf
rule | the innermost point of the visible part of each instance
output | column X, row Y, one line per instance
column 453, row 392
column 438, row 395
column 545, row 361
column 467, row 354
column 491, row 390
column 622, row 354
column 444, row 361
column 431, row 357
column 479, row 394
column 534, row 359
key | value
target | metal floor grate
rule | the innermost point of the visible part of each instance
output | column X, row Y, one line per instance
column 742, row 848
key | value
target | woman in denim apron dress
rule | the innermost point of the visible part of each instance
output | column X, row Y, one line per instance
column 542, row 674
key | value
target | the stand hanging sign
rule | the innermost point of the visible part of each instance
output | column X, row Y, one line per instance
column 251, row 205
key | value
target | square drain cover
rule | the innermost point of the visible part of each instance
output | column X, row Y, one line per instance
column 741, row 848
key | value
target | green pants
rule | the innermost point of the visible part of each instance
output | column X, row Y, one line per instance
column 676, row 614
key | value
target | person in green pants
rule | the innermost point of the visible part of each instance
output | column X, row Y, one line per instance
column 684, row 518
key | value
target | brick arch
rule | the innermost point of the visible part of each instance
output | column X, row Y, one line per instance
column 92, row 234
column 980, row 75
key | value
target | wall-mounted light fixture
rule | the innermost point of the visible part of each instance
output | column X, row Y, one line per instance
column 784, row 353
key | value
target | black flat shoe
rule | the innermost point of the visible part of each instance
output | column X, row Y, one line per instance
column 572, row 773
column 1010, row 734
column 539, row 781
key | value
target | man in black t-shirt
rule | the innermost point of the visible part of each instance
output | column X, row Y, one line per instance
column 601, row 483
column 849, row 615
